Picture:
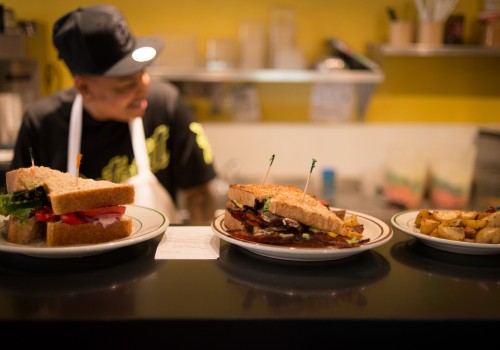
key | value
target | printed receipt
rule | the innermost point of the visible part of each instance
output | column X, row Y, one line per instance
column 188, row 242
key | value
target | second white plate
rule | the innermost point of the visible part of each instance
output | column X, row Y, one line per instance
column 405, row 221
column 375, row 229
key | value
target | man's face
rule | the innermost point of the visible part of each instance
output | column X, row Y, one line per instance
column 114, row 98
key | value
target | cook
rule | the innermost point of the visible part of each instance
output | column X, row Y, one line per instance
column 107, row 63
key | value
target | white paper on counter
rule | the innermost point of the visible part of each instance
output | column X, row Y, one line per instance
column 188, row 242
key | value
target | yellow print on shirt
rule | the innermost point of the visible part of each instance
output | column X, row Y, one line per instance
column 159, row 155
column 117, row 170
column 120, row 169
column 202, row 141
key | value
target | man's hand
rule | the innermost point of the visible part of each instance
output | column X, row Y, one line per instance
column 200, row 203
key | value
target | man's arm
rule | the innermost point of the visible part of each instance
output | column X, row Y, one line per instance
column 200, row 203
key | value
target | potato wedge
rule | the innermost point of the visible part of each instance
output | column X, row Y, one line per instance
column 434, row 233
column 488, row 235
column 446, row 215
column 422, row 214
column 454, row 223
column 351, row 220
column 450, row 232
column 493, row 219
column 428, row 225
column 475, row 224
column 469, row 215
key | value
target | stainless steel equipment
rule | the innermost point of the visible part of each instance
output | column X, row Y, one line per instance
column 19, row 87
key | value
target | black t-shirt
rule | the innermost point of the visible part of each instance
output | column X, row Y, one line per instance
column 180, row 155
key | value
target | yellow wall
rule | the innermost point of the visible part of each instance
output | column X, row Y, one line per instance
column 451, row 89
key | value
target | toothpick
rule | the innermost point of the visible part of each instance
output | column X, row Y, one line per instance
column 78, row 160
column 31, row 156
column 271, row 160
column 309, row 177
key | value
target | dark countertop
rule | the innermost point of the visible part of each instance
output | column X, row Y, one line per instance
column 400, row 291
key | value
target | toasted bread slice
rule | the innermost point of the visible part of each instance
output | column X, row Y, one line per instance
column 68, row 194
column 61, row 234
column 289, row 202
column 231, row 223
column 24, row 233
column 250, row 193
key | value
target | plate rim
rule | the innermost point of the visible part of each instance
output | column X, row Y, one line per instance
column 436, row 242
column 92, row 249
column 300, row 254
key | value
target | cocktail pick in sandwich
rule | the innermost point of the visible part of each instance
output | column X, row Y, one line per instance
column 271, row 160
column 309, row 177
column 31, row 156
column 78, row 161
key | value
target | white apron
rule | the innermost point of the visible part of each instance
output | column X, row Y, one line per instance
column 149, row 192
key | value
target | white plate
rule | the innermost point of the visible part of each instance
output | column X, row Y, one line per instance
column 405, row 221
column 377, row 230
column 146, row 224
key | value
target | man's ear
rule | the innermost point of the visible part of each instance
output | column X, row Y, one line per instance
column 81, row 85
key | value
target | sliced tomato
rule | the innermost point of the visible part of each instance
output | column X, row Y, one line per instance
column 112, row 209
column 72, row 219
column 45, row 214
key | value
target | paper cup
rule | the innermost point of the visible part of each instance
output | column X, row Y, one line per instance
column 430, row 32
column 400, row 33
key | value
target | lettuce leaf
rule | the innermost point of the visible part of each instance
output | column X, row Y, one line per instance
column 21, row 204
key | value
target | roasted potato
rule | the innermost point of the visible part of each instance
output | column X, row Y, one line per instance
column 493, row 219
column 422, row 214
column 486, row 212
column 467, row 226
column 475, row 224
column 469, row 215
column 451, row 232
column 351, row 220
column 488, row 235
column 428, row 225
column 446, row 215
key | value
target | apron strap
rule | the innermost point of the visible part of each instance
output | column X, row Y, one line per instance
column 75, row 138
column 154, row 190
column 136, row 128
column 75, row 134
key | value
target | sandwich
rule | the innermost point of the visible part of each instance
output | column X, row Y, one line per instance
column 64, row 210
column 285, row 215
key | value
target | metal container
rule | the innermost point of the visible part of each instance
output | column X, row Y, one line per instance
column 19, row 87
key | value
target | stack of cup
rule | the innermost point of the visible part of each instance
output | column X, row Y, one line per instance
column 400, row 33
column 252, row 44
column 284, row 52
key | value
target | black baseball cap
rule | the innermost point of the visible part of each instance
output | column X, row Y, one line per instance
column 97, row 40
